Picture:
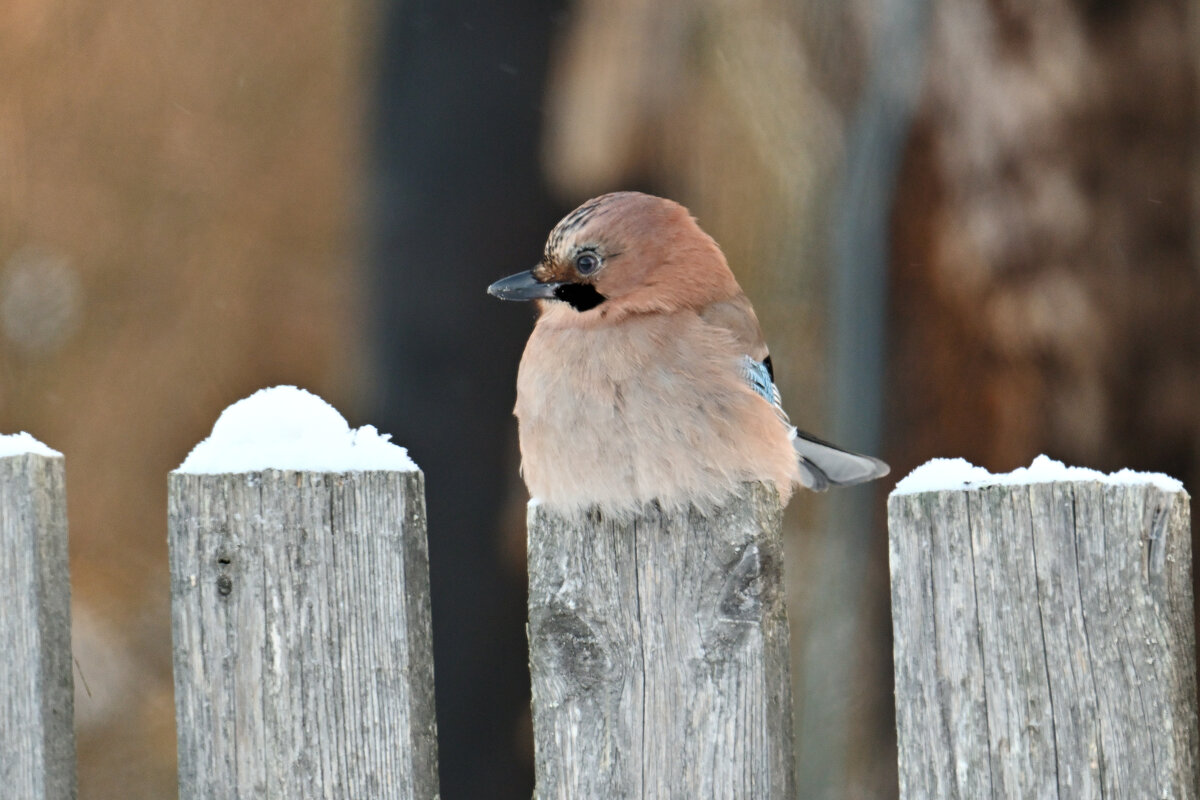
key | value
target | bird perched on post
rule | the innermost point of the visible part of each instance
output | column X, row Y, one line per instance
column 646, row 377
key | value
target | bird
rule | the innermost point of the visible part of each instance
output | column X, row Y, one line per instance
column 646, row 378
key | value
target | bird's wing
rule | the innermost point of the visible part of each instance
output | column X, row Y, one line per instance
column 736, row 317
column 821, row 464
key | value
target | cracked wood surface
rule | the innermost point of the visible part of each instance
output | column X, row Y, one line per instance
column 303, row 657
column 659, row 654
column 1044, row 642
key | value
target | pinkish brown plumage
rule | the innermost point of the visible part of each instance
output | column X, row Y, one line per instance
column 646, row 377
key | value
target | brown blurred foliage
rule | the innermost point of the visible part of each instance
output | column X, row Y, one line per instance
column 177, row 190
column 1047, row 282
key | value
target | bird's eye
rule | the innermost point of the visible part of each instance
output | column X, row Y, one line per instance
column 587, row 263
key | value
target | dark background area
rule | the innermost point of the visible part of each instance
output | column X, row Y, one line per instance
column 456, row 198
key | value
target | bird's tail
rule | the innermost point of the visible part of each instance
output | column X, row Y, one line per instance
column 823, row 465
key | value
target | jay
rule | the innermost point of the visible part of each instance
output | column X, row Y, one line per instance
column 646, row 377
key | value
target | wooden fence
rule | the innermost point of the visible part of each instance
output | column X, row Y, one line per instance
column 1044, row 643
column 37, row 737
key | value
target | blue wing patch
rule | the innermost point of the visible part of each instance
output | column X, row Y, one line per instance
column 757, row 375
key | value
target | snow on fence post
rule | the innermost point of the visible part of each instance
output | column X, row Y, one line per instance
column 37, row 713
column 1044, row 641
column 659, row 653
column 300, row 609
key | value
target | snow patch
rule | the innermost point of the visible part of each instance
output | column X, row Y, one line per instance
column 284, row 427
column 942, row 474
column 18, row 444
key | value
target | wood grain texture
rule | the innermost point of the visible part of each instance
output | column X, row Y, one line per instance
column 1044, row 642
column 303, row 653
column 659, row 654
column 37, row 707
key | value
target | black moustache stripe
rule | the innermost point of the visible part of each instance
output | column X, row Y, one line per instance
column 580, row 296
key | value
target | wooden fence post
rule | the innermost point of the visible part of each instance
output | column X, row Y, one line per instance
column 1044, row 642
column 303, row 658
column 37, row 734
column 659, row 654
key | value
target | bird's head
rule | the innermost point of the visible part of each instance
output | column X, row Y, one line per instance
column 623, row 253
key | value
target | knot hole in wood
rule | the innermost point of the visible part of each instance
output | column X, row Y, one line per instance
column 565, row 644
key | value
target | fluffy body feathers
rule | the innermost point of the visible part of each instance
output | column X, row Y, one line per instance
column 646, row 377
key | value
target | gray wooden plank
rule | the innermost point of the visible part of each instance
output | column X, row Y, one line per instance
column 303, row 657
column 659, row 653
column 37, row 711
column 1073, row 603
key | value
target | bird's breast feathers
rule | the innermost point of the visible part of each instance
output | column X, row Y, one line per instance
column 657, row 408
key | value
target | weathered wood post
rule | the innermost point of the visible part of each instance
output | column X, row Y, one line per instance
column 37, row 711
column 659, row 654
column 303, row 656
column 1044, row 641
column 301, row 622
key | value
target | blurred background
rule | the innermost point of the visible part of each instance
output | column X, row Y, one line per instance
column 970, row 228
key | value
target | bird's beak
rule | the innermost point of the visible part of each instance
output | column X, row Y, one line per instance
column 522, row 286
